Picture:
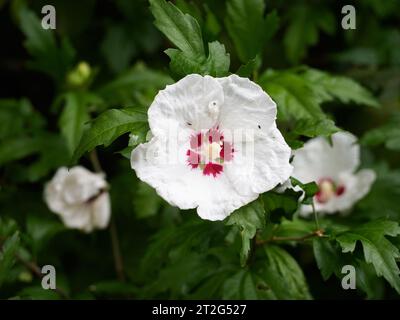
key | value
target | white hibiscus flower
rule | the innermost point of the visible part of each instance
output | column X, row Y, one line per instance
column 333, row 168
column 80, row 198
column 215, row 145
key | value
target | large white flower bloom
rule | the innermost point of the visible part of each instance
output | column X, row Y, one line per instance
column 215, row 145
column 333, row 168
column 80, row 198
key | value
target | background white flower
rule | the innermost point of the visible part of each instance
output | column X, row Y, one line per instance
column 333, row 168
column 79, row 197
column 228, row 149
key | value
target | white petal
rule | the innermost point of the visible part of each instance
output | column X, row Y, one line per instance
column 101, row 211
column 52, row 191
column 69, row 195
column 214, row 197
column 78, row 217
column 318, row 159
column 246, row 106
column 186, row 105
column 80, row 185
column 356, row 187
column 366, row 178
column 259, row 167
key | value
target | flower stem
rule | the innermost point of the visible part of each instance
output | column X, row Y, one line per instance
column 315, row 215
column 94, row 159
column 118, row 261
column 317, row 233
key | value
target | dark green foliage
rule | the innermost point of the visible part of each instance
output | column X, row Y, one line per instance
column 87, row 86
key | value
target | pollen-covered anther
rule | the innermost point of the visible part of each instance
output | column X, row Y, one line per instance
column 211, row 151
column 208, row 152
column 328, row 190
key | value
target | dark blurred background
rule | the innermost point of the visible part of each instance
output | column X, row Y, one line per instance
column 112, row 36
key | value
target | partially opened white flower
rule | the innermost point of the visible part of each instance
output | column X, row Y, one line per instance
column 215, row 145
column 80, row 198
column 333, row 168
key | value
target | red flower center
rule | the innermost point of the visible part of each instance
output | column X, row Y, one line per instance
column 328, row 190
column 208, row 152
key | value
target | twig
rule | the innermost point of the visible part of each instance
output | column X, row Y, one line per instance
column 31, row 266
column 118, row 262
column 317, row 233
column 119, row 265
column 94, row 159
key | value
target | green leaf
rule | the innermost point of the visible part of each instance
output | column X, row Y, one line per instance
column 299, row 94
column 118, row 48
column 280, row 205
column 330, row 260
column 383, row 199
column 210, row 288
column 294, row 228
column 137, row 79
column 113, row 289
column 49, row 150
column 184, row 271
column 8, row 249
column 37, row 293
column 73, row 118
column 185, row 33
column 246, row 285
column 327, row 257
column 388, row 134
column 134, row 140
column 368, row 281
column 19, row 148
column 378, row 250
column 49, row 57
column 178, row 260
column 309, row 128
column 329, row 87
column 146, row 202
column 293, row 95
column 216, row 64
column 248, row 27
column 273, row 275
column 191, row 8
column 314, row 127
column 109, row 126
column 41, row 228
column 304, row 27
column 249, row 219
column 310, row 189
column 181, row 29
column 51, row 155
column 283, row 275
column 246, row 70
column 19, row 118
column 7, row 227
